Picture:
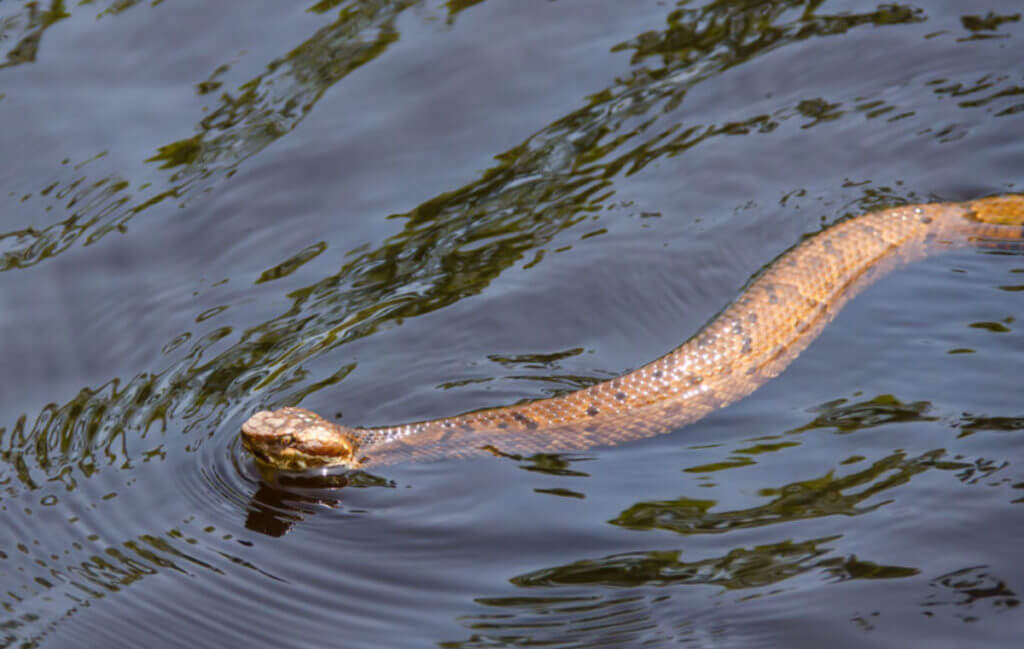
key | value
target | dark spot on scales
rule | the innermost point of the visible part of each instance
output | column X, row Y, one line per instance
column 746, row 344
column 621, row 396
column 752, row 317
column 524, row 420
column 737, row 328
column 695, row 379
column 592, row 410
column 503, row 425
column 657, row 374
column 926, row 219
column 872, row 230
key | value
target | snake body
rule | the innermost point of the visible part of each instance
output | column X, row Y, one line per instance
column 753, row 339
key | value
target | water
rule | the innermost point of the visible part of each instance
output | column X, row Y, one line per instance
column 387, row 211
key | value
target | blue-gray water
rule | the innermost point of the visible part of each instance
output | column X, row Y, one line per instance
column 388, row 211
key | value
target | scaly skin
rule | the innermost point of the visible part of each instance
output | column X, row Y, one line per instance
column 753, row 339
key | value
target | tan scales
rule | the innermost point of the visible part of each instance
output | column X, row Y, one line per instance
column 779, row 313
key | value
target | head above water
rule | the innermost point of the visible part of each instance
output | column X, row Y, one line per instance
column 294, row 439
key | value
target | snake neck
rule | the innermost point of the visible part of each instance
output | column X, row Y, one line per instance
column 753, row 338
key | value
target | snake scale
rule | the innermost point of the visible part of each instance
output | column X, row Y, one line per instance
column 753, row 339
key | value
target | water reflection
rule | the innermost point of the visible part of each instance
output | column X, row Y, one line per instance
column 25, row 29
column 55, row 585
column 987, row 26
column 283, row 500
column 842, row 416
column 565, row 166
column 234, row 129
column 849, row 495
column 970, row 589
column 740, row 568
column 633, row 597
column 451, row 246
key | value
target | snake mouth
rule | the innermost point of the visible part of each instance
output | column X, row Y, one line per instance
column 293, row 439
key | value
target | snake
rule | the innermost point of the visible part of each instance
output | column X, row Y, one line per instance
column 777, row 315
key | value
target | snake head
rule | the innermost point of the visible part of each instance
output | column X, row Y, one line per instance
column 294, row 439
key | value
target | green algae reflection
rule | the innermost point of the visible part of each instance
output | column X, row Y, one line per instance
column 451, row 246
column 620, row 129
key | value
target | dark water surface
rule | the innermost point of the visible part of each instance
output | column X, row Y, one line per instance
column 388, row 211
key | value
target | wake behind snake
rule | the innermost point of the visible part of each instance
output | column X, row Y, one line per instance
column 753, row 339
